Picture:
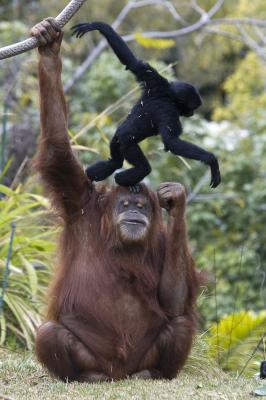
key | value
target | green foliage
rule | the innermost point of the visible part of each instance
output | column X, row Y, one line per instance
column 234, row 339
column 106, row 81
column 243, row 8
column 246, row 98
column 30, row 263
column 11, row 31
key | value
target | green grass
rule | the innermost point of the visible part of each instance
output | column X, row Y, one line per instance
column 22, row 378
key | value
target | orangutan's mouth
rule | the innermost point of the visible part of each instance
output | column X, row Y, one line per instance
column 134, row 222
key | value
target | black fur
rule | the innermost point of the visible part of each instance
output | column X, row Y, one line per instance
column 157, row 111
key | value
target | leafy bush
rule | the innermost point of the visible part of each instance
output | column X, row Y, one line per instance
column 30, row 268
column 235, row 338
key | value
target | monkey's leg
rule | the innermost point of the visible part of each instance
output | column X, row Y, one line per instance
column 134, row 155
column 188, row 150
column 65, row 356
column 102, row 169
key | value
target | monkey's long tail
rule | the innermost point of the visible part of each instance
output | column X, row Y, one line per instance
column 118, row 45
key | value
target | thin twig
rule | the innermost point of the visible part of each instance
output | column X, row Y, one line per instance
column 198, row 187
column 235, row 295
column 236, row 21
column 251, row 42
column 19, row 172
column 216, row 308
column 220, row 32
column 4, row 136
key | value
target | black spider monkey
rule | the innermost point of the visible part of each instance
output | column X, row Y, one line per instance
column 157, row 111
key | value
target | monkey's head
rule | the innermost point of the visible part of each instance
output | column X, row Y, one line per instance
column 186, row 96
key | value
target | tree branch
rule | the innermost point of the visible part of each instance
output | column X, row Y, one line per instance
column 236, row 21
column 220, row 32
column 251, row 42
column 202, row 23
column 119, row 19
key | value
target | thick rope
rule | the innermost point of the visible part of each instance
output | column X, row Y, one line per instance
column 31, row 43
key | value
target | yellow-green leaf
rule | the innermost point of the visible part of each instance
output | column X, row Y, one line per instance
column 151, row 43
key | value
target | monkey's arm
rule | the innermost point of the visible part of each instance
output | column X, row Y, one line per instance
column 61, row 173
column 143, row 71
column 170, row 131
column 120, row 48
column 179, row 282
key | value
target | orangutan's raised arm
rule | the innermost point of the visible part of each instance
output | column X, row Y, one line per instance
column 178, row 285
column 61, row 172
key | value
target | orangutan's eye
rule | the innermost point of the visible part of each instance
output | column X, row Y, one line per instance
column 139, row 205
column 125, row 203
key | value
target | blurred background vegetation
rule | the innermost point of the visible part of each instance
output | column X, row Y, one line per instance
column 223, row 54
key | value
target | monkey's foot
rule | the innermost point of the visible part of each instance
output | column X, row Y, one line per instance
column 134, row 189
column 80, row 29
column 131, row 176
column 101, row 170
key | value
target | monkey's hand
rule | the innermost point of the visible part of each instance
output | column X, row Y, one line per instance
column 172, row 197
column 215, row 174
column 50, row 36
